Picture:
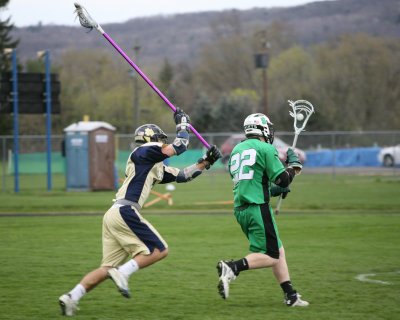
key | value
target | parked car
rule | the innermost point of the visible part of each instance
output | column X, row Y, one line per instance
column 281, row 146
column 389, row 156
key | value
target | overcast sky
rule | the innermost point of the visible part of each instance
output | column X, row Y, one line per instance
column 31, row 12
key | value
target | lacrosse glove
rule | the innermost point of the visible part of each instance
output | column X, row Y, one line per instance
column 212, row 155
column 292, row 160
column 277, row 191
column 182, row 120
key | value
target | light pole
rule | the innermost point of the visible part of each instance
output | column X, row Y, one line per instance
column 136, row 106
column 46, row 55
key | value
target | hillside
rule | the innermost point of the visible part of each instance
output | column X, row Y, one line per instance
column 179, row 37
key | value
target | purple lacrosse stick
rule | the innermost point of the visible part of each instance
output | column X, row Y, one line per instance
column 87, row 21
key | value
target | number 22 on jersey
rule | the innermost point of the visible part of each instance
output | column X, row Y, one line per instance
column 241, row 163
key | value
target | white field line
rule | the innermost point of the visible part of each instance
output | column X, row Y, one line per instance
column 366, row 277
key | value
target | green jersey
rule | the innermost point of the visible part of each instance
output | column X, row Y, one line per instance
column 253, row 165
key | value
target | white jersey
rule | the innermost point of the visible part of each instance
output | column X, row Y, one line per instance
column 144, row 169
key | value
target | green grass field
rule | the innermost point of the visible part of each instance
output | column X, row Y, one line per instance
column 332, row 229
column 310, row 192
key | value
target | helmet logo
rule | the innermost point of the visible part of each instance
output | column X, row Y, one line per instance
column 149, row 132
column 263, row 120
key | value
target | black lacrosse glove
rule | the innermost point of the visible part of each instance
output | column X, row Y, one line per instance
column 182, row 120
column 277, row 191
column 293, row 161
column 212, row 155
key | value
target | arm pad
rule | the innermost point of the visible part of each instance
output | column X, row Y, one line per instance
column 277, row 190
column 181, row 142
column 285, row 178
column 188, row 174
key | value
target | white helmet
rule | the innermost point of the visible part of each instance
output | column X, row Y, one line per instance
column 259, row 125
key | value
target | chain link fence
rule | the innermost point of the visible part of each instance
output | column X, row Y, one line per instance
column 328, row 151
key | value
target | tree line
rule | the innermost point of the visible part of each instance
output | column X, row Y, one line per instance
column 353, row 82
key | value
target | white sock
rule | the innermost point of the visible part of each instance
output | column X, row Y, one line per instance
column 78, row 292
column 129, row 267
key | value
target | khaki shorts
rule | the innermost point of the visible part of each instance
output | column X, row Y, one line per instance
column 126, row 234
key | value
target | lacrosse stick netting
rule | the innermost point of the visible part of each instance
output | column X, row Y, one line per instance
column 301, row 112
column 88, row 22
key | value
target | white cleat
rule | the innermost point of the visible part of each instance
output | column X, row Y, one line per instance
column 120, row 280
column 68, row 306
column 226, row 275
column 295, row 301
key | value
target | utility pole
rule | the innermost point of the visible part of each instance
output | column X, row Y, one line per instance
column 136, row 106
column 265, row 89
column 261, row 62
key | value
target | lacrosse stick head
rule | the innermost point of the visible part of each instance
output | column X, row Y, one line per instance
column 85, row 19
column 301, row 112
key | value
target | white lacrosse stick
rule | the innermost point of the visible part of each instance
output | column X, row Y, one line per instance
column 302, row 110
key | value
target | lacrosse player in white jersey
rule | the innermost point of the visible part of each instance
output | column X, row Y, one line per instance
column 130, row 242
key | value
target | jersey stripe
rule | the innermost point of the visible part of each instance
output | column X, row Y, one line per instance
column 135, row 186
column 270, row 234
column 140, row 229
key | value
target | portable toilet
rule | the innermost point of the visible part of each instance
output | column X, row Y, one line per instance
column 90, row 156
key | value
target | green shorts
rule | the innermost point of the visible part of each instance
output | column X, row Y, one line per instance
column 258, row 224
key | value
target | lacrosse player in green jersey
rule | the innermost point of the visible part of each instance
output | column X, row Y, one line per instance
column 258, row 174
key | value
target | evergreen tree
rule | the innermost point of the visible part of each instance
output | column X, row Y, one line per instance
column 165, row 78
column 6, row 40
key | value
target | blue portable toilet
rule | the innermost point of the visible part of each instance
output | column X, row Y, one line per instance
column 90, row 156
